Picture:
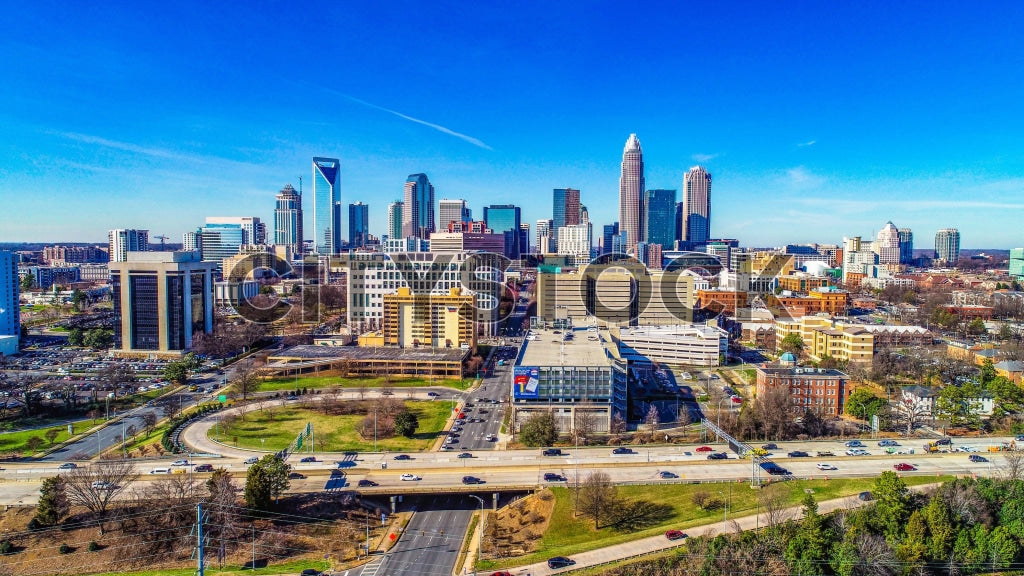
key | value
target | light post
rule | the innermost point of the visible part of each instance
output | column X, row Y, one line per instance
column 725, row 510
column 374, row 426
column 720, row 411
column 252, row 525
column 480, row 534
column 263, row 443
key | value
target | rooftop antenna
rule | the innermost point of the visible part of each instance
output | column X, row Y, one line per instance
column 300, row 185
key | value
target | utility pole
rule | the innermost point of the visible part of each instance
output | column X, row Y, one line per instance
column 199, row 540
column 253, row 526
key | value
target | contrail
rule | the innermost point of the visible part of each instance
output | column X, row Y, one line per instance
column 437, row 127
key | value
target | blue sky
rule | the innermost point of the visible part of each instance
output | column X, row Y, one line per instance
column 817, row 120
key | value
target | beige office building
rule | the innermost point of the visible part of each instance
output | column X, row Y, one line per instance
column 433, row 320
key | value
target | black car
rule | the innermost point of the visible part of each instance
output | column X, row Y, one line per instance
column 977, row 458
column 718, row 456
column 296, row 476
column 552, row 477
column 798, row 454
column 403, row 457
column 552, row 452
column 471, row 480
column 465, row 455
column 364, row 483
column 666, row 475
column 560, row 562
column 622, row 450
column 769, row 446
column 310, row 572
column 203, row 468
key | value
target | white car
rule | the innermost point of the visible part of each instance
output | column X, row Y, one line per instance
column 857, row 452
column 410, row 477
column 102, row 485
column 823, row 466
column 180, row 463
column 251, row 460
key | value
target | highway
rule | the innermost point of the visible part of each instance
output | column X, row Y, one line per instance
column 431, row 541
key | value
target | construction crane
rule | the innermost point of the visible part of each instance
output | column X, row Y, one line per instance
column 161, row 239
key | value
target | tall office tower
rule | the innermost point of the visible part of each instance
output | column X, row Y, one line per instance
column 192, row 241
column 631, row 189
column 574, row 241
column 565, row 209
column 947, row 245
column 418, row 208
column 696, row 217
column 502, row 219
column 358, row 225
column 659, row 217
column 609, row 231
column 326, row 205
column 449, row 211
column 254, row 232
column 524, row 238
column 906, row 246
column 125, row 240
column 395, row 220
column 887, row 244
column 288, row 219
column 679, row 239
column 10, row 313
column 220, row 241
column 543, row 237
column 1017, row 264
column 161, row 300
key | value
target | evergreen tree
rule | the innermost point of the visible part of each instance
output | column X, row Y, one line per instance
column 53, row 502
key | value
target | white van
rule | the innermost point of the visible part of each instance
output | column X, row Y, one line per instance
column 160, row 471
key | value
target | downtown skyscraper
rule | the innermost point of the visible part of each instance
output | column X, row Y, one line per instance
column 326, row 205
column 631, row 189
column 418, row 216
column 947, row 246
column 565, row 209
column 358, row 225
column 288, row 219
column 696, row 208
column 395, row 219
column 659, row 211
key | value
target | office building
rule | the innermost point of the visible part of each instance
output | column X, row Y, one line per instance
column 631, row 189
column 608, row 232
column 418, row 207
column 45, row 277
column 574, row 242
column 695, row 220
column 125, row 240
column 288, row 219
column 220, row 241
column 358, row 225
column 659, row 210
column 453, row 211
column 565, row 209
column 326, row 205
column 821, row 390
column 253, row 230
column 10, row 311
column 524, row 238
column 430, row 320
column 505, row 219
column 1017, row 264
column 906, row 246
column 822, row 336
column 887, row 245
column 161, row 300
column 74, row 255
column 191, row 241
column 947, row 246
column 543, row 235
column 395, row 220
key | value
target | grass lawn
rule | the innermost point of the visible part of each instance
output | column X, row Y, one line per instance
column 292, row 567
column 567, row 535
column 287, row 384
column 337, row 432
column 15, row 441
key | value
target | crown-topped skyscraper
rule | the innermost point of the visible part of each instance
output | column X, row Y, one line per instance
column 631, row 189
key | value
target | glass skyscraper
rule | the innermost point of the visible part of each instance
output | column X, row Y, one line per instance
column 288, row 219
column 504, row 218
column 565, row 209
column 326, row 205
column 395, row 220
column 696, row 217
column 947, row 245
column 418, row 215
column 358, row 224
column 659, row 217
column 631, row 188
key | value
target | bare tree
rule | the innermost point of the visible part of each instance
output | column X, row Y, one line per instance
column 362, row 388
column 248, row 377
column 909, row 414
column 96, row 486
column 652, row 420
column 1012, row 467
column 149, row 421
column 597, row 497
column 584, row 423
column 618, row 424
column 776, row 510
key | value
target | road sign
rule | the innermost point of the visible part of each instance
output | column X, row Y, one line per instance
column 222, row 398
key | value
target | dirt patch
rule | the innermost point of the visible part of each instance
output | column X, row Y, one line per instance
column 516, row 529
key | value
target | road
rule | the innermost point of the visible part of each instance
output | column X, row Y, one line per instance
column 485, row 406
column 431, row 541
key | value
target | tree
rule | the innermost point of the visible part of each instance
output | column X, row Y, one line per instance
column 406, row 423
column 265, row 481
column 618, row 424
column 51, row 435
column 976, row 327
column 96, row 486
column 808, row 549
column 248, row 377
column 539, row 429
column 34, row 443
column 862, row 404
column 652, row 420
column 792, row 343
column 176, row 372
column 76, row 337
column 149, row 421
column 597, row 497
column 958, row 405
column 909, row 414
column 78, row 298
column 892, row 508
column 28, row 282
column 98, row 338
column 117, row 374
column 53, row 502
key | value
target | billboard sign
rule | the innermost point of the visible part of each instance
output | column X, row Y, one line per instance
column 525, row 382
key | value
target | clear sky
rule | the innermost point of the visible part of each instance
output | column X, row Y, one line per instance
column 817, row 120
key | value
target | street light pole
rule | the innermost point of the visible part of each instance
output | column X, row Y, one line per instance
column 480, row 534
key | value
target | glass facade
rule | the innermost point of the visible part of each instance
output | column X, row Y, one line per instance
column 199, row 291
column 358, row 224
column 145, row 312
column 220, row 241
column 176, row 312
column 659, row 217
column 326, row 205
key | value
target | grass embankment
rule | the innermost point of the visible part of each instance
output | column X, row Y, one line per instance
column 16, row 441
column 276, row 428
column 292, row 567
column 315, row 382
column 567, row 535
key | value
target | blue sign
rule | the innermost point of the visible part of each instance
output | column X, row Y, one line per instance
column 525, row 381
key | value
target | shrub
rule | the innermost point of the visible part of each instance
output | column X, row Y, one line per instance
column 93, row 546
column 34, row 524
column 6, row 547
column 64, row 549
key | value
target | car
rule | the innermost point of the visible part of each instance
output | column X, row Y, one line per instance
column 798, row 454
column 977, row 458
column 888, row 443
column 854, row 444
column 824, row 466
column 465, row 455
column 552, row 452
column 1019, row 438
column 67, row 466
column 308, row 459
column 552, row 477
column 675, row 534
column 102, row 485
column 666, row 475
column 296, row 476
column 945, row 441
column 825, row 454
column 704, row 449
column 160, row 471
column 251, row 460
column 403, row 457
column 386, row 393
column 501, row 574
column 364, row 483
column 471, row 480
column 410, row 477
column 904, row 467
column 491, row 437
column 203, row 468
column 718, row 456
column 865, row 496
column 433, row 394
column 310, row 572
column 770, row 446
column 447, row 447
column 622, row 450
column 560, row 562
column 856, row 452
column 179, row 463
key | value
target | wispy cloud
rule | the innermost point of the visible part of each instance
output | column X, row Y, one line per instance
column 438, row 127
column 907, row 205
column 802, row 178
column 704, row 157
column 123, row 146
column 806, row 144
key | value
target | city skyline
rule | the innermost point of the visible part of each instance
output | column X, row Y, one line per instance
column 849, row 123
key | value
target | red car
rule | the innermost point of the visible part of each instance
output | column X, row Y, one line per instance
column 675, row 535
column 904, row 467
column 501, row 574
column 705, row 449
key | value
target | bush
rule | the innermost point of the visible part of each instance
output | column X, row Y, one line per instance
column 65, row 549
column 6, row 547
column 93, row 546
column 34, row 524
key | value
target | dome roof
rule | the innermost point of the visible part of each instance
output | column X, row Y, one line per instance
column 788, row 357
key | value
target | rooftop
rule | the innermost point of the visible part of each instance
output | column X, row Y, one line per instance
column 309, row 352
column 550, row 349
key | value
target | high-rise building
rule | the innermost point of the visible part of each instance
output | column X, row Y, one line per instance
column 524, row 238
column 395, row 220
column 326, row 205
column 887, row 244
column 418, row 207
column 288, row 219
column 358, row 224
column 906, row 246
column 659, row 212
column 1017, row 264
column 505, row 219
column 565, row 209
column 574, row 241
column 543, row 237
column 220, row 241
column 609, row 231
column 161, row 300
column 452, row 211
column 696, row 209
column 680, row 240
column 253, row 230
column 631, row 189
column 10, row 313
column 125, row 240
column 192, row 241
column 947, row 246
